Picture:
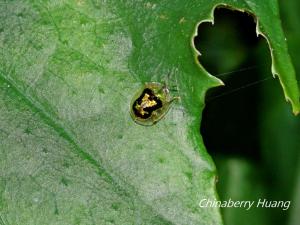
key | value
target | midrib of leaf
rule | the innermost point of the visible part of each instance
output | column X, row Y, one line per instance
column 36, row 106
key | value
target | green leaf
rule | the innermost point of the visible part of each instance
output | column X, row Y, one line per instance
column 70, row 152
column 284, row 155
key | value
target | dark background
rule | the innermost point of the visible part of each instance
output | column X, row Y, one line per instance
column 247, row 126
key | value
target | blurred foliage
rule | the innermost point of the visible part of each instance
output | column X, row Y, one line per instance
column 290, row 146
column 242, row 181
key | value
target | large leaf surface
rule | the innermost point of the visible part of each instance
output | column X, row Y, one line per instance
column 70, row 153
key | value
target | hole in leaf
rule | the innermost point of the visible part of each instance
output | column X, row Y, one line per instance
column 231, row 120
column 233, row 126
column 229, row 50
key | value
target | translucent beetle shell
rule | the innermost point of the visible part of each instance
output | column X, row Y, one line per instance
column 150, row 104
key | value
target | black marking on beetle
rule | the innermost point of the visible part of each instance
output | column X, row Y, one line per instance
column 146, row 104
